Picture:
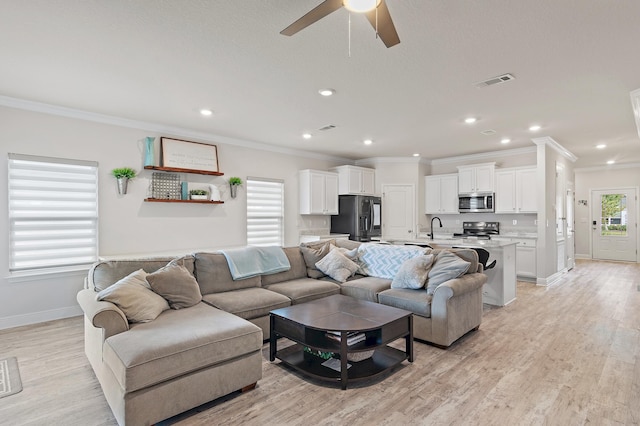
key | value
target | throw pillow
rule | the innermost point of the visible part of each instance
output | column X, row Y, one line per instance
column 384, row 261
column 446, row 266
column 175, row 283
column 413, row 273
column 134, row 298
column 313, row 255
column 337, row 266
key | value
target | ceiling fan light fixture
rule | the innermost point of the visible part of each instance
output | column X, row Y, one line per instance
column 361, row 6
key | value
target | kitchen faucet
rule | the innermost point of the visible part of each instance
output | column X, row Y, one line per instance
column 439, row 221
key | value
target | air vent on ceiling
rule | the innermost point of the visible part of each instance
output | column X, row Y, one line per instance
column 488, row 132
column 495, row 80
column 327, row 127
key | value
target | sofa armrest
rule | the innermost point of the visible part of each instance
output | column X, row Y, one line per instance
column 102, row 314
column 459, row 286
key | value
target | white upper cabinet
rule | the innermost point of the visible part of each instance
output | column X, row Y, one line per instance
column 516, row 190
column 318, row 192
column 441, row 194
column 476, row 178
column 354, row 180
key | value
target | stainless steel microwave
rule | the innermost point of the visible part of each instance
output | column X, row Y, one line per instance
column 474, row 203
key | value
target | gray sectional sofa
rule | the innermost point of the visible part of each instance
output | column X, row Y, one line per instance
column 154, row 370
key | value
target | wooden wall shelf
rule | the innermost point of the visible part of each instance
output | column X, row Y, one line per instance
column 178, row 170
column 162, row 200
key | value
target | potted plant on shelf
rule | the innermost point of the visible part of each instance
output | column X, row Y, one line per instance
column 122, row 175
column 234, row 183
column 198, row 194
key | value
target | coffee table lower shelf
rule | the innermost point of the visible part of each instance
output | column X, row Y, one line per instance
column 383, row 359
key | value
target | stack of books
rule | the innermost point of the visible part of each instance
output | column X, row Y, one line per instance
column 352, row 337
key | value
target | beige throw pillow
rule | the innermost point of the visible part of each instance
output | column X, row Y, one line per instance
column 446, row 266
column 313, row 255
column 413, row 273
column 176, row 284
column 134, row 297
column 337, row 266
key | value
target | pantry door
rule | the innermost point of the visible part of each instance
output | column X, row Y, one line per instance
column 613, row 224
column 398, row 211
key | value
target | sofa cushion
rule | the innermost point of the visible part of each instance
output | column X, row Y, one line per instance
column 384, row 261
column 416, row 301
column 213, row 275
column 446, row 266
column 337, row 265
column 305, row 289
column 247, row 303
column 468, row 254
column 365, row 288
column 413, row 273
column 176, row 284
column 347, row 244
column 135, row 298
column 298, row 268
column 176, row 343
column 103, row 274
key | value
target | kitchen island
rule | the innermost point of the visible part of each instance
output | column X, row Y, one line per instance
column 500, row 288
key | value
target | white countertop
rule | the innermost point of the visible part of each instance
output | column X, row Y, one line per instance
column 458, row 242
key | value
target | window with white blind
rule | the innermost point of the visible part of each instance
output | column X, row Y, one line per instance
column 53, row 212
column 265, row 212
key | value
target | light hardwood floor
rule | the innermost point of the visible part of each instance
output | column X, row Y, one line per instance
column 563, row 355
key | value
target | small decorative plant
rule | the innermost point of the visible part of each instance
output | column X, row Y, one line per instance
column 123, row 172
column 234, row 183
column 198, row 192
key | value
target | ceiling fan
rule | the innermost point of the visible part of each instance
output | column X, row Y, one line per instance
column 376, row 11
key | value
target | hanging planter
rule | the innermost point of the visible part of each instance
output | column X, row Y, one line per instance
column 234, row 183
column 122, row 175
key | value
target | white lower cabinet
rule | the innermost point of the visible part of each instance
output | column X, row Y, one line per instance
column 525, row 256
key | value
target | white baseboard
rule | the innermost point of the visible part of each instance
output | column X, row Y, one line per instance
column 583, row 256
column 42, row 316
column 550, row 280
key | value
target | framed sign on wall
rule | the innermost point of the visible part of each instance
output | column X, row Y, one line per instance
column 187, row 155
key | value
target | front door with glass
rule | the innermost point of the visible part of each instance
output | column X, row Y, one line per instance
column 613, row 227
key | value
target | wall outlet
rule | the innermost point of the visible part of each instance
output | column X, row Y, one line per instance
column 515, row 221
column 535, row 221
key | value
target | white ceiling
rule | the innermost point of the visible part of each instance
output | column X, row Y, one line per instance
column 575, row 62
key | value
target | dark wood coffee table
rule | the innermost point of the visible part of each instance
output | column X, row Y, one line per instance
column 309, row 325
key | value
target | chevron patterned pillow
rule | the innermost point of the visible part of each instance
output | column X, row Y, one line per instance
column 384, row 261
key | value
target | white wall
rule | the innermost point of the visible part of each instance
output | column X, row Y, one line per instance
column 597, row 178
column 128, row 225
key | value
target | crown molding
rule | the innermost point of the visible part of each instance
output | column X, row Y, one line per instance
column 607, row 167
column 491, row 155
column 550, row 142
column 635, row 103
column 61, row 111
column 379, row 160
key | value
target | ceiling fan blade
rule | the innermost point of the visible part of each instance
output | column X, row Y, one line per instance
column 319, row 12
column 386, row 29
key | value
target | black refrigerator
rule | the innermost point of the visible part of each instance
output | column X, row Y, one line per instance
column 360, row 216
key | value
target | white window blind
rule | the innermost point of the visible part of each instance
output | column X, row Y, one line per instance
column 53, row 212
column 265, row 212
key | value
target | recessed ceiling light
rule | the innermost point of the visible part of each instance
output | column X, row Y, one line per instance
column 206, row 112
column 601, row 146
column 367, row 141
column 535, row 128
column 505, row 140
column 306, row 135
column 611, row 162
column 470, row 120
column 326, row 92
column 416, row 155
